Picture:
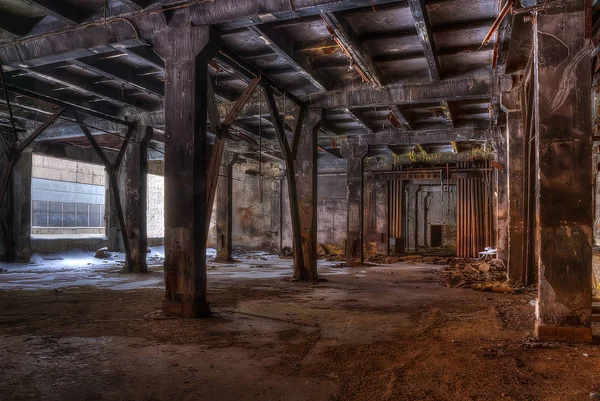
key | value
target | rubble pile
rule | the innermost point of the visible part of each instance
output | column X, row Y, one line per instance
column 476, row 274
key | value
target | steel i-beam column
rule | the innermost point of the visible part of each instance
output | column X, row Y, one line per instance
column 186, row 51
column 136, row 197
column 354, row 155
column 563, row 240
column 224, row 210
column 305, row 166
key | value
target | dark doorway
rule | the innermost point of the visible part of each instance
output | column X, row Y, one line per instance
column 436, row 236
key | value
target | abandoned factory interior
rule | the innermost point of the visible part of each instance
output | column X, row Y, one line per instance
column 300, row 200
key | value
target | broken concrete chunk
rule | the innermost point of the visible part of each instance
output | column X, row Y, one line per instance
column 102, row 253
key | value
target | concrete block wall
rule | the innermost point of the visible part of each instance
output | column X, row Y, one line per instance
column 156, row 202
column 51, row 168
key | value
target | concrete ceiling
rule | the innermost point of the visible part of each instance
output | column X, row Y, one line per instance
column 380, row 69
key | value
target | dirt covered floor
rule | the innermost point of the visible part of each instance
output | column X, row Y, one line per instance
column 371, row 333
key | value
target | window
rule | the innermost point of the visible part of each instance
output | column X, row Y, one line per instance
column 69, row 217
column 62, row 214
column 40, row 213
column 96, row 218
column 55, row 214
column 83, row 215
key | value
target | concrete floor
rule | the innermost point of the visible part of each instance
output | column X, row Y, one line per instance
column 389, row 332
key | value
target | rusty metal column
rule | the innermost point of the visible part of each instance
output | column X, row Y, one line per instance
column 354, row 155
column 224, row 216
column 305, row 166
column 186, row 50
column 563, row 240
column 136, row 197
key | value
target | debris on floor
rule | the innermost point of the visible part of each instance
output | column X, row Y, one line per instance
column 476, row 274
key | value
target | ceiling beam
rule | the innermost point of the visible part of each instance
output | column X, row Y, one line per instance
column 346, row 38
column 57, row 75
column 262, row 11
column 463, row 26
column 285, row 49
column 335, row 152
column 400, row 117
column 84, row 107
column 474, row 87
column 396, row 34
column 443, row 136
column 361, row 119
column 121, row 73
column 449, row 51
column 246, row 71
column 419, row 13
column 140, row 29
column 68, row 44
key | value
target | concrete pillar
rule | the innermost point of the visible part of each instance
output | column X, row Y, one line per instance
column 21, row 207
column 111, row 218
column 502, row 200
column 563, row 240
column 186, row 50
column 305, row 167
column 224, row 216
column 411, row 215
column 136, row 197
column 596, row 170
column 354, row 155
column 376, row 217
column 515, row 166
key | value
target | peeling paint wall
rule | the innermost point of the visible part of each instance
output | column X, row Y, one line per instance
column 331, row 212
column 255, row 208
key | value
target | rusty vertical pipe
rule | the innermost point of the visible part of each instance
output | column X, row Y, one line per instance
column 467, row 218
column 475, row 221
column 472, row 217
column 478, row 215
column 482, row 216
column 458, row 219
column 390, row 208
column 463, row 200
column 460, row 202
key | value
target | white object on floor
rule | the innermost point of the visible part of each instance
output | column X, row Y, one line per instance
column 491, row 252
